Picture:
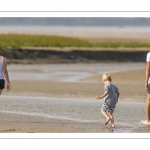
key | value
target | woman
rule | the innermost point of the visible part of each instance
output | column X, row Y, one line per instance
column 4, row 74
column 147, row 88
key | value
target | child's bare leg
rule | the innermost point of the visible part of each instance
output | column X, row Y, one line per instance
column 106, row 116
column 112, row 120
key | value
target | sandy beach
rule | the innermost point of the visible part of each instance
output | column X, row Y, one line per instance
column 60, row 98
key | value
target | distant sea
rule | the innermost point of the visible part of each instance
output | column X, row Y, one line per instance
column 75, row 30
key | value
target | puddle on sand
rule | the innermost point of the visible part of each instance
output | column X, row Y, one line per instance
column 121, row 130
column 121, row 127
column 137, row 128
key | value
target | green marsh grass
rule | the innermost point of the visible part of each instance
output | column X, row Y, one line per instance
column 24, row 40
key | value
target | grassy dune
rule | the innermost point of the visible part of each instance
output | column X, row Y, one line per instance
column 24, row 40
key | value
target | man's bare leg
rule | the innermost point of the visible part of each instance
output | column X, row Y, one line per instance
column 147, row 121
column 106, row 116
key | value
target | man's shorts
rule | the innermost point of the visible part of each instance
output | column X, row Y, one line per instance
column 2, row 83
column 108, row 108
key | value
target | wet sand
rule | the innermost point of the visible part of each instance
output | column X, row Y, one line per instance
column 38, row 114
column 61, row 99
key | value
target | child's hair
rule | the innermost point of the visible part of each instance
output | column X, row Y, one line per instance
column 106, row 76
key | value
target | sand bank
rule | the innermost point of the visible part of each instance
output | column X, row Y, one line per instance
column 74, row 55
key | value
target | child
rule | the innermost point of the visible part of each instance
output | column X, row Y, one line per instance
column 111, row 95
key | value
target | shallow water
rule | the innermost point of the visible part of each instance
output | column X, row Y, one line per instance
column 67, row 72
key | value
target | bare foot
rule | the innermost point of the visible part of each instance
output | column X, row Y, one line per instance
column 108, row 119
column 112, row 125
column 145, row 122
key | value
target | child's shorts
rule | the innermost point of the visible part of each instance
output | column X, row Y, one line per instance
column 108, row 108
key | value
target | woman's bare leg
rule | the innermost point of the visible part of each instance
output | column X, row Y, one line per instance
column 147, row 121
column 1, row 91
column 148, row 108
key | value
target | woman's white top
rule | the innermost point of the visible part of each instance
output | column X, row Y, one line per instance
column 1, row 68
column 148, row 59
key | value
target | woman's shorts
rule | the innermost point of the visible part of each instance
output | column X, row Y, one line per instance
column 148, row 88
column 2, row 83
column 108, row 108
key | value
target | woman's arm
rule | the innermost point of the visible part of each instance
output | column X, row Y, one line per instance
column 6, row 74
column 147, row 74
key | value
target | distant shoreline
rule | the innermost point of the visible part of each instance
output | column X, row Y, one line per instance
column 74, row 55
